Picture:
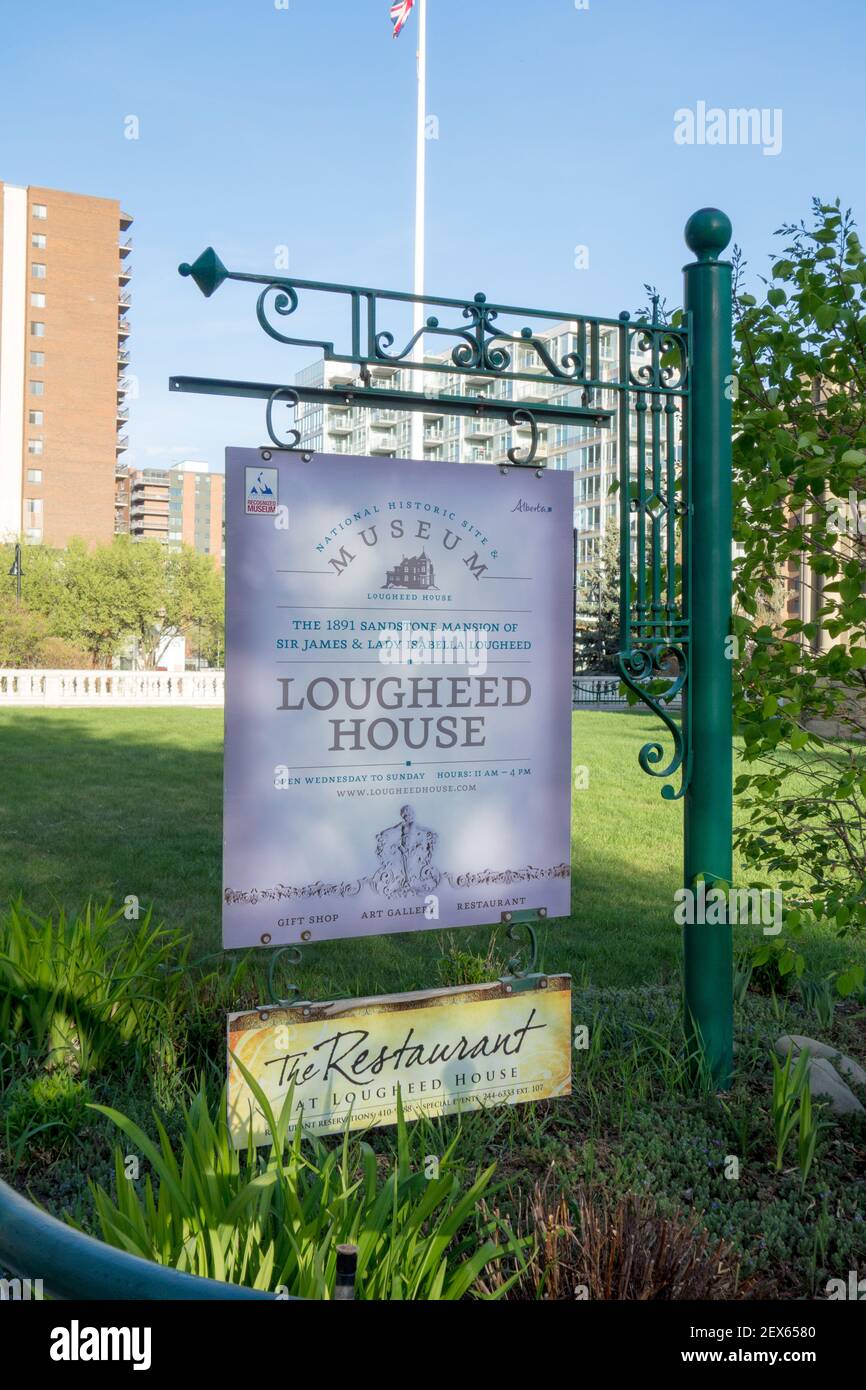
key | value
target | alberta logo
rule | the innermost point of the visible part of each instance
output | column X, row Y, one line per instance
column 523, row 506
column 262, row 485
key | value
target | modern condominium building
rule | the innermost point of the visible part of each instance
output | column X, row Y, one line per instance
column 181, row 505
column 588, row 452
column 64, row 297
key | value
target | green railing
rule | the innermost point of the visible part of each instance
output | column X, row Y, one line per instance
column 71, row 1265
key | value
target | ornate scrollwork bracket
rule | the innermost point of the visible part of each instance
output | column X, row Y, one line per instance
column 524, row 459
column 640, row 668
column 275, row 999
column 520, row 968
column 288, row 397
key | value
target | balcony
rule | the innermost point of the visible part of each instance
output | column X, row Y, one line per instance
column 122, row 357
column 383, row 445
column 126, row 220
column 121, row 443
column 123, row 385
column 480, row 429
column 124, row 248
column 124, row 274
column 340, row 375
column 123, row 329
column 124, row 299
column 121, row 415
column 531, row 391
column 340, row 426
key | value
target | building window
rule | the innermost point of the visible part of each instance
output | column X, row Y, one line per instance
column 37, row 388
column 36, row 417
column 34, row 475
column 37, row 359
column 37, row 329
column 40, row 212
column 37, row 301
column 34, row 446
column 38, row 270
column 34, row 533
column 39, row 241
column 33, row 505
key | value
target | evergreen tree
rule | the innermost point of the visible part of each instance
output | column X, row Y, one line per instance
column 596, row 625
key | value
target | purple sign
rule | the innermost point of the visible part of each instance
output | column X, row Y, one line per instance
column 398, row 695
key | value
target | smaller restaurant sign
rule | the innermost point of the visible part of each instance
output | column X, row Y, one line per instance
column 443, row 1051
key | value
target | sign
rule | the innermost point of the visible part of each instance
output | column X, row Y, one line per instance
column 398, row 695
column 447, row 1050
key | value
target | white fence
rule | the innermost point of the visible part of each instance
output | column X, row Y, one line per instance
column 111, row 688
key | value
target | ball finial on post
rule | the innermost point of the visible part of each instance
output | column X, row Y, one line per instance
column 707, row 233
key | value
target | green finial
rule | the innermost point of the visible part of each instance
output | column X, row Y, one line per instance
column 208, row 271
column 707, row 233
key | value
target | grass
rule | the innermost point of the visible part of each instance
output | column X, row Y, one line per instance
column 105, row 803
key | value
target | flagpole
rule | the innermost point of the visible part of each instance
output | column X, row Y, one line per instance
column 417, row 426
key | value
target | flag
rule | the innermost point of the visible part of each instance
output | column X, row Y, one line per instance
column 400, row 13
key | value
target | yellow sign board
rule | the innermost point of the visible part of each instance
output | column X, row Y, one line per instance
column 444, row 1050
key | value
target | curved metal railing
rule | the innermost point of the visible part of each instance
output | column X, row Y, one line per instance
column 34, row 1245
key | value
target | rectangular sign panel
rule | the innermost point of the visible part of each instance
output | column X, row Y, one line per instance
column 447, row 1050
column 398, row 695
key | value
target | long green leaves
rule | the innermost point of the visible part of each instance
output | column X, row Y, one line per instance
column 793, row 1109
column 273, row 1218
column 87, row 990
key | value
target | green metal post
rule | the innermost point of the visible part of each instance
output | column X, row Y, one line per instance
column 708, row 949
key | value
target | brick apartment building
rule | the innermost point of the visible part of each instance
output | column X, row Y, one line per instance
column 181, row 505
column 64, row 296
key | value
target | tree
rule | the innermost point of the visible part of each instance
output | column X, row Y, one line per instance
column 26, row 640
column 99, row 598
column 597, row 636
column 195, row 602
column 800, row 503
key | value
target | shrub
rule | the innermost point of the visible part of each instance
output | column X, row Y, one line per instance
column 602, row 1247
column 26, row 639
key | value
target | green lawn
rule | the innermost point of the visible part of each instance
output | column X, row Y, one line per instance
column 105, row 803
column 102, row 804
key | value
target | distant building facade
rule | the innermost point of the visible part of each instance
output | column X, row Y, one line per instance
column 181, row 505
column 64, row 299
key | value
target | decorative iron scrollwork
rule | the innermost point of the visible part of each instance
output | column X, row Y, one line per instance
column 647, row 665
column 287, row 396
column 481, row 348
column 667, row 368
column 516, row 454
column 294, row 957
column 285, row 302
column 517, row 967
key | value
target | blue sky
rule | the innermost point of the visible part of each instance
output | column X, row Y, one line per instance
column 262, row 127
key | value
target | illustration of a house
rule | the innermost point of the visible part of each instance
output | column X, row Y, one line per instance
column 414, row 572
